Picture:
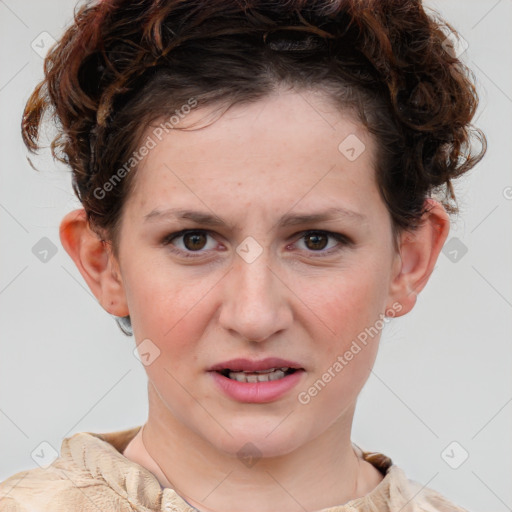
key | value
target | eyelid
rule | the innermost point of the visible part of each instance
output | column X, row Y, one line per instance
column 177, row 234
column 343, row 241
column 338, row 236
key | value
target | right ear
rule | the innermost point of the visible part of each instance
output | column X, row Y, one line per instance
column 95, row 261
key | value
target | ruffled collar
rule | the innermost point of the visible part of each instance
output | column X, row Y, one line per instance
column 100, row 455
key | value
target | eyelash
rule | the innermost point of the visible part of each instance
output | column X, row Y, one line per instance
column 342, row 239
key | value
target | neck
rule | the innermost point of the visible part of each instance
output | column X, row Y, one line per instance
column 324, row 473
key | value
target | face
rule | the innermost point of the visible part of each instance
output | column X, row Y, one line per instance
column 250, row 276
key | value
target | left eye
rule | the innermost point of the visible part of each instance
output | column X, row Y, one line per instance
column 318, row 241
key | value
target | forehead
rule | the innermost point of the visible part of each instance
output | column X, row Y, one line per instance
column 289, row 146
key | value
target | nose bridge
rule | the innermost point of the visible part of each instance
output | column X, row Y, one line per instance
column 255, row 277
column 255, row 303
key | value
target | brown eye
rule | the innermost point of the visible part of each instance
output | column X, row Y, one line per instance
column 190, row 241
column 323, row 243
column 194, row 241
column 316, row 241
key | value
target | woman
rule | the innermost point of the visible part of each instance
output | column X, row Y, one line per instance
column 258, row 184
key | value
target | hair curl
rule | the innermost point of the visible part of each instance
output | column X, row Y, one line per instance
column 123, row 64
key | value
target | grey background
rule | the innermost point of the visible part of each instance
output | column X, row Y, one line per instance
column 443, row 372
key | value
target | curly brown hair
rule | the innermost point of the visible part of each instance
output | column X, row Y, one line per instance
column 123, row 64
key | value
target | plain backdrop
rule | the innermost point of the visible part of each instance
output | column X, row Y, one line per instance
column 441, row 387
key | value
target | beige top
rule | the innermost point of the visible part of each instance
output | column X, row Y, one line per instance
column 92, row 475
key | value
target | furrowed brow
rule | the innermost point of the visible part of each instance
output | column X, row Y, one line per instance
column 289, row 219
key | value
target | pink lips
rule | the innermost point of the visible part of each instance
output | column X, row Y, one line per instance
column 248, row 365
column 256, row 392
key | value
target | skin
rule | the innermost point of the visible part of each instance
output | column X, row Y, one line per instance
column 253, row 165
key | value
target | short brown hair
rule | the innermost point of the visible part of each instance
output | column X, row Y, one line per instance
column 122, row 64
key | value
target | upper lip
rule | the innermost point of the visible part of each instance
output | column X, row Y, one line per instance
column 249, row 365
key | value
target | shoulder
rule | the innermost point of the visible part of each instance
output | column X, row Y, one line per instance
column 76, row 480
column 396, row 492
column 19, row 491
column 410, row 496
column 54, row 488
column 428, row 499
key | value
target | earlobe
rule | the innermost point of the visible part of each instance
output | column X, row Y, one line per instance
column 95, row 261
column 419, row 250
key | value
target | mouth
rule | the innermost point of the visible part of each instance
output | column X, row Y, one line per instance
column 253, row 381
column 251, row 371
column 258, row 376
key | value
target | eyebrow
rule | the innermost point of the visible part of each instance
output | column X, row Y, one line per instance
column 289, row 219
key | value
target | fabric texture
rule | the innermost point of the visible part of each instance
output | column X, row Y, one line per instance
column 91, row 474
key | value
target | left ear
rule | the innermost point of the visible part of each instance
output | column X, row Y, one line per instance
column 418, row 253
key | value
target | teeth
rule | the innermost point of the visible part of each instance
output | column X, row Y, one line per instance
column 284, row 369
column 265, row 376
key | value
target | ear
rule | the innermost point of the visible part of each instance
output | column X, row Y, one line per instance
column 95, row 261
column 418, row 253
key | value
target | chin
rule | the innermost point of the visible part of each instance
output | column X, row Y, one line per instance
column 264, row 441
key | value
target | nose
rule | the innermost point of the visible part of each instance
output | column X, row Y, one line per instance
column 255, row 302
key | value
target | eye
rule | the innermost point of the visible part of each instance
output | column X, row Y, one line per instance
column 189, row 241
column 318, row 241
column 194, row 242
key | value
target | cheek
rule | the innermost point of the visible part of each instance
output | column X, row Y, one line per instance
column 167, row 308
column 346, row 352
column 349, row 302
column 351, row 311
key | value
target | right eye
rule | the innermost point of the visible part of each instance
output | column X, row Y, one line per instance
column 188, row 241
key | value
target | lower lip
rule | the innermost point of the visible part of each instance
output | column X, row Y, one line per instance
column 257, row 392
